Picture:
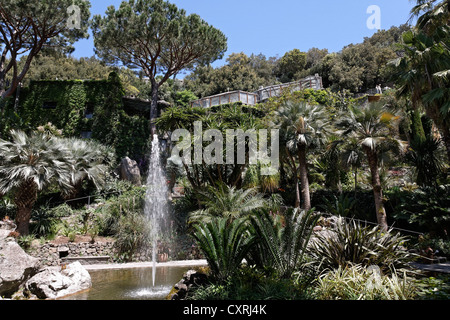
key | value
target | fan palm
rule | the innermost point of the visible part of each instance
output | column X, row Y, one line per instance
column 424, row 156
column 90, row 161
column 374, row 129
column 29, row 164
column 423, row 70
column 302, row 127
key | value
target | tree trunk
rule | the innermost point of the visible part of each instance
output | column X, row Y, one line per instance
column 446, row 139
column 24, row 200
column 154, row 108
column 304, row 178
column 433, row 112
column 297, row 191
column 23, row 220
column 377, row 190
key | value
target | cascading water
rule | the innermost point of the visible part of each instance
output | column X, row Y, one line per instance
column 155, row 198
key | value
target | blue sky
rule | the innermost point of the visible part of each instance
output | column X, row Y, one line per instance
column 275, row 27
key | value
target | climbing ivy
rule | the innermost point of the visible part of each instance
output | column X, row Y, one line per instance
column 64, row 104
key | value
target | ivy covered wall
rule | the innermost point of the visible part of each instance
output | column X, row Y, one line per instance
column 80, row 108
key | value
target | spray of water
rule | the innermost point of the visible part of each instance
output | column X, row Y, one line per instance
column 155, row 198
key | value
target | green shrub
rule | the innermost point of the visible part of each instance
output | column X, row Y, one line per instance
column 434, row 288
column 340, row 206
column 132, row 232
column 351, row 243
column 25, row 241
column 249, row 283
column 110, row 212
column 358, row 283
column 426, row 209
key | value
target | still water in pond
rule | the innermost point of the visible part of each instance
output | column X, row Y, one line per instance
column 131, row 284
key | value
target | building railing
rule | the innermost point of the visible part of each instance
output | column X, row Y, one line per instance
column 259, row 96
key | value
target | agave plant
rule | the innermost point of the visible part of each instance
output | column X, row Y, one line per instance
column 283, row 240
column 224, row 243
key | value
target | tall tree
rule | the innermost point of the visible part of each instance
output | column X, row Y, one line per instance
column 302, row 127
column 423, row 72
column 375, row 131
column 27, row 27
column 290, row 64
column 158, row 38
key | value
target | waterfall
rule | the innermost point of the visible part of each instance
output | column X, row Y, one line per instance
column 155, row 198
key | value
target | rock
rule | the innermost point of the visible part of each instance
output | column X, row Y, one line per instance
column 52, row 284
column 129, row 171
column 6, row 227
column 16, row 267
column 190, row 279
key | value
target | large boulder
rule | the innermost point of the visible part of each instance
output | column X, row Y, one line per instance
column 129, row 171
column 52, row 283
column 16, row 266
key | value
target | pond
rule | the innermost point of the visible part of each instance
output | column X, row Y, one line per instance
column 131, row 284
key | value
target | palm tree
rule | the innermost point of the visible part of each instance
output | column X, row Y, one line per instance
column 374, row 129
column 423, row 70
column 302, row 127
column 227, row 202
column 91, row 159
column 29, row 164
column 431, row 14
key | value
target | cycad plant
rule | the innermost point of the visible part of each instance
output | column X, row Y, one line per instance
column 425, row 157
column 227, row 202
column 224, row 243
column 283, row 240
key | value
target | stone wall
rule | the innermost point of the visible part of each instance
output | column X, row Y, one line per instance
column 50, row 253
